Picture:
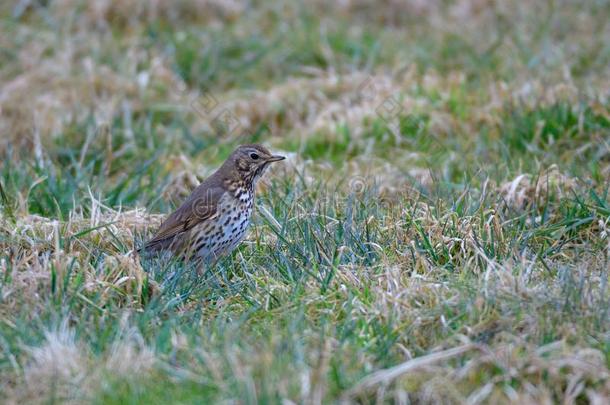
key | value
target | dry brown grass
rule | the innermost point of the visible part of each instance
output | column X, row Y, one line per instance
column 457, row 254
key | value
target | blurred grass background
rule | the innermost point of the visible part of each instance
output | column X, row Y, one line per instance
column 447, row 187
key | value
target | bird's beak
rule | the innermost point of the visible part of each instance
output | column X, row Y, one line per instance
column 276, row 158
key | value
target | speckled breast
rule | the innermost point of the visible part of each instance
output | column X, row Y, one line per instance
column 223, row 232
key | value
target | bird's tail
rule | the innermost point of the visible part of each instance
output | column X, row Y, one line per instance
column 155, row 246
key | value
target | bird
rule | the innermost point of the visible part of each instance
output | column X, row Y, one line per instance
column 214, row 219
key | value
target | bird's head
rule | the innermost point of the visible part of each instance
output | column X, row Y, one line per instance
column 250, row 161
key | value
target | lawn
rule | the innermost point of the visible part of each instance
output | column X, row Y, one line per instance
column 440, row 231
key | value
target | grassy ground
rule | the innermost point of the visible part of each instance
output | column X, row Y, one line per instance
column 440, row 232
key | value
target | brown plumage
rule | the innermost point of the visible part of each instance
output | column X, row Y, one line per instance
column 214, row 218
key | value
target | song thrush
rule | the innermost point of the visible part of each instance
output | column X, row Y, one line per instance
column 214, row 218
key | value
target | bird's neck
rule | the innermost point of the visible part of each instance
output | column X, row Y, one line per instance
column 237, row 179
column 238, row 186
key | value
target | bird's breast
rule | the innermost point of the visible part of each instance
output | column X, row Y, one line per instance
column 229, row 226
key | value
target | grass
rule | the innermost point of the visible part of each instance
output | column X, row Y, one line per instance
column 453, row 249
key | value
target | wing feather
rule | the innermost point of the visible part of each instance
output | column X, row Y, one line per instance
column 199, row 207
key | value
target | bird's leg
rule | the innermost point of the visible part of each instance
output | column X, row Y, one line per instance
column 200, row 266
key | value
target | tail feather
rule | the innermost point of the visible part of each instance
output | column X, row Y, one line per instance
column 156, row 246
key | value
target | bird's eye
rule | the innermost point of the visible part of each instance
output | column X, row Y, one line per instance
column 254, row 156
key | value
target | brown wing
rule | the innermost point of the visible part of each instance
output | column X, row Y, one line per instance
column 200, row 206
